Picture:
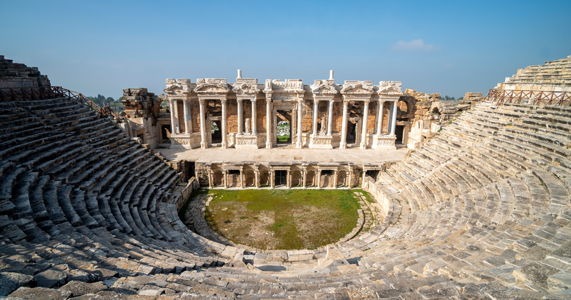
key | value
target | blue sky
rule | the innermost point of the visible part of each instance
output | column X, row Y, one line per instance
column 448, row 47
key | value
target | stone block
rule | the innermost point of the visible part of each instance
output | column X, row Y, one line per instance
column 50, row 278
column 39, row 293
column 10, row 281
column 79, row 288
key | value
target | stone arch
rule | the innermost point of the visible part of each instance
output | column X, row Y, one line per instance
column 264, row 176
column 296, row 178
column 249, row 177
column 217, row 178
column 310, row 178
column 342, row 176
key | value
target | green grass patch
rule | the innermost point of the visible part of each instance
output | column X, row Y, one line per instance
column 283, row 219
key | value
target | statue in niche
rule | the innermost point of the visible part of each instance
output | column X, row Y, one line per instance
column 247, row 126
column 323, row 125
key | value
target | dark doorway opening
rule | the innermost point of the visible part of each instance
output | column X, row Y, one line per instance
column 165, row 132
column 216, row 132
column 280, row 178
column 188, row 169
column 372, row 173
column 351, row 130
column 399, row 132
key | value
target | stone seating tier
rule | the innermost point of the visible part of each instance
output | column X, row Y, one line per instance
column 482, row 209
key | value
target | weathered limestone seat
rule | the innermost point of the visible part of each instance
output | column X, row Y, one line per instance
column 482, row 210
column 62, row 177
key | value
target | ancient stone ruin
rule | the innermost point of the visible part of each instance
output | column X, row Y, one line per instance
column 481, row 209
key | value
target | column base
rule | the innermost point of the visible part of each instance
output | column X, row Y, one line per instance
column 384, row 142
column 185, row 141
column 246, row 141
column 321, row 142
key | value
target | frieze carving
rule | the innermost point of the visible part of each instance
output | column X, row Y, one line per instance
column 357, row 87
column 390, row 88
column 181, row 141
column 212, row 86
column 245, row 86
column 177, row 87
column 324, row 87
column 246, row 140
column 288, row 85
column 321, row 140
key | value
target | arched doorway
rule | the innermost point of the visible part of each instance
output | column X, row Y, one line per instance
column 283, row 127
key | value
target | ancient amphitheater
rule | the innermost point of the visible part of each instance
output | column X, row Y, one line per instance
column 479, row 210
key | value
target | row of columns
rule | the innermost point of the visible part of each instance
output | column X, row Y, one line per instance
column 187, row 113
column 241, row 115
column 329, row 116
column 379, row 121
column 272, row 177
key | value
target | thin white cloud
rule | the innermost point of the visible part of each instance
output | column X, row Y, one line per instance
column 412, row 45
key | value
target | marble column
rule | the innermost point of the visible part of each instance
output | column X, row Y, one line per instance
column 343, row 143
column 269, row 123
column 380, row 107
column 318, row 178
column 242, row 177
column 254, row 119
column 349, row 178
column 330, row 118
column 298, row 143
column 224, row 143
column 240, row 116
column 172, row 116
column 314, row 124
column 177, row 121
column 303, row 176
column 257, row 178
column 394, row 117
column 364, row 125
column 335, row 178
column 272, row 178
column 187, row 119
column 210, row 179
column 203, row 144
column 363, row 179
column 225, row 178
column 288, row 179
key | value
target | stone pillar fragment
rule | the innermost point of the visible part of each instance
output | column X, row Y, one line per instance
column 203, row 144
column 176, row 129
column 223, row 129
column 394, row 117
column 335, row 179
column 187, row 119
column 330, row 118
column 379, row 120
column 364, row 126
column 254, row 119
column 314, row 124
column 343, row 143
column 299, row 117
column 268, row 122
column 171, row 105
column 240, row 116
